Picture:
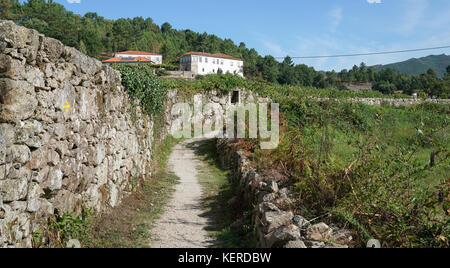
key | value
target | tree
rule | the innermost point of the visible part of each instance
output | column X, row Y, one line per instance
column 166, row 27
column 385, row 87
column 269, row 68
column 432, row 73
column 448, row 70
column 8, row 9
column 287, row 72
column 168, row 51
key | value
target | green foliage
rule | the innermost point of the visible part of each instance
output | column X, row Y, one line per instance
column 369, row 166
column 144, row 88
column 69, row 227
column 226, row 82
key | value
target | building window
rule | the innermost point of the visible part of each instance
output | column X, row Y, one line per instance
column 231, row 63
column 221, row 62
column 235, row 97
column 200, row 59
column 206, row 60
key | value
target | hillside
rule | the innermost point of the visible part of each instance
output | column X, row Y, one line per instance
column 419, row 66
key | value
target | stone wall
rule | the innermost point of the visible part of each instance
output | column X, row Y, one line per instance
column 391, row 102
column 276, row 224
column 54, row 161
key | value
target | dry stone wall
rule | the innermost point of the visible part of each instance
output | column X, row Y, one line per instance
column 389, row 102
column 55, row 160
column 276, row 225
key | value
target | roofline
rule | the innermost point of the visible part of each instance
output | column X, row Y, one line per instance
column 136, row 59
column 133, row 52
column 219, row 55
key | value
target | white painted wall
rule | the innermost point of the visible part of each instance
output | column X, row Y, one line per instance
column 208, row 65
column 157, row 59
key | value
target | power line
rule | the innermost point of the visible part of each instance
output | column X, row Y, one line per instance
column 367, row 54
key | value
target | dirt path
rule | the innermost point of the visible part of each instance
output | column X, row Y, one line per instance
column 182, row 224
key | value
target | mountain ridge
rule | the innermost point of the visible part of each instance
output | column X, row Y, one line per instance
column 415, row 66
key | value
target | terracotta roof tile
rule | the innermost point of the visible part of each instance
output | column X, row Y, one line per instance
column 131, row 59
column 130, row 52
column 217, row 55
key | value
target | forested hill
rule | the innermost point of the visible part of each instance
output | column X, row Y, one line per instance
column 96, row 35
column 99, row 37
column 415, row 66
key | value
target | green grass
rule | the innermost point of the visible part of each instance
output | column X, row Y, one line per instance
column 128, row 226
column 217, row 190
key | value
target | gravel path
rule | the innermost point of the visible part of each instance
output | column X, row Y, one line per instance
column 182, row 224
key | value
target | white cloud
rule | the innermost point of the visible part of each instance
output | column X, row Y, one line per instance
column 274, row 48
column 74, row 1
column 336, row 17
column 374, row 1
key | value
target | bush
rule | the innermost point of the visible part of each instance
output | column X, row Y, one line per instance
column 143, row 87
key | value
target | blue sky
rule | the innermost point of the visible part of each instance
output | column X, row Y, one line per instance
column 300, row 27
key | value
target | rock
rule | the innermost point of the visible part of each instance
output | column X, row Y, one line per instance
column 3, row 172
column 52, row 48
column 15, row 36
column 342, row 236
column 39, row 158
column 266, row 206
column 29, row 133
column 53, row 158
column 96, row 154
column 65, row 202
column 7, row 138
column 14, row 190
column 275, row 219
column 301, row 222
column 281, row 236
column 53, row 181
column 18, row 205
column 266, row 197
column 19, row 173
column 314, row 244
column 33, row 205
column 114, row 196
column 18, row 154
column 319, row 232
column 335, row 245
column 373, row 243
column 272, row 187
column 73, row 243
column 295, row 244
column 35, row 77
column 18, row 100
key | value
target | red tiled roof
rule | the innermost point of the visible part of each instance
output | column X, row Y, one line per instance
column 130, row 52
column 218, row 55
column 120, row 59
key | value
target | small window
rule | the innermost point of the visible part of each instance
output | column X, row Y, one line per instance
column 235, row 97
column 206, row 60
column 221, row 62
column 200, row 59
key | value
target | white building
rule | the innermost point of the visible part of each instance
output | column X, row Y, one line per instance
column 205, row 63
column 155, row 58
